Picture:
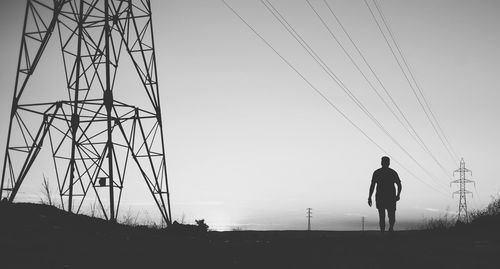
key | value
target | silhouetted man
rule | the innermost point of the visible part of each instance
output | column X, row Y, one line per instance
column 386, row 196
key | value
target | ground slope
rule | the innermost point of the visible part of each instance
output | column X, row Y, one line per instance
column 38, row 236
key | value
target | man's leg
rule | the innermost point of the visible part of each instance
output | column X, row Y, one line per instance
column 392, row 218
column 381, row 216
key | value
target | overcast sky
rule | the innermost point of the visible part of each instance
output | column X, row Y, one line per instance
column 251, row 145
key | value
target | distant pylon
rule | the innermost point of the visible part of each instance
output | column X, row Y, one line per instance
column 462, row 204
column 309, row 216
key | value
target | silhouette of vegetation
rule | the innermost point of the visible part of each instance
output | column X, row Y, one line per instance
column 182, row 221
column 47, row 197
column 440, row 223
column 486, row 218
column 151, row 223
column 130, row 219
column 202, row 225
column 95, row 210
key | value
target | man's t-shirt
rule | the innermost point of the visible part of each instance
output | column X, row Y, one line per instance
column 385, row 178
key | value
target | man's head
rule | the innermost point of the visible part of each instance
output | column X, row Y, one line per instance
column 386, row 161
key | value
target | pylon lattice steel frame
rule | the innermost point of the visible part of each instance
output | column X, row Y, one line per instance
column 91, row 135
column 462, row 181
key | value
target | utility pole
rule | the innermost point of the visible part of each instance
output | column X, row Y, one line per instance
column 363, row 223
column 462, row 204
column 309, row 216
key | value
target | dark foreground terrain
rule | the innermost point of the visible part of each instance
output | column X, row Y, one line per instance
column 39, row 236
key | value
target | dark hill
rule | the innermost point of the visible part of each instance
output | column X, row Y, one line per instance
column 39, row 236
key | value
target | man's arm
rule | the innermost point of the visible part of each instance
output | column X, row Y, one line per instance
column 372, row 187
column 398, row 183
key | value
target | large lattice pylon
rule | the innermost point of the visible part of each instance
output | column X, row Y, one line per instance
column 463, row 215
column 93, row 138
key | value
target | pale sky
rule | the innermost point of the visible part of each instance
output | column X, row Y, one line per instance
column 251, row 145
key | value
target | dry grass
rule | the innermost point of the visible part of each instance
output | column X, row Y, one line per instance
column 489, row 216
column 47, row 197
column 440, row 223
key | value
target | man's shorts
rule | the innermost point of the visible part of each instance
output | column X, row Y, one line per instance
column 389, row 204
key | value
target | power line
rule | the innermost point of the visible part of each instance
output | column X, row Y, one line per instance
column 379, row 8
column 435, row 128
column 337, row 80
column 478, row 197
column 325, row 98
column 408, row 79
column 413, row 133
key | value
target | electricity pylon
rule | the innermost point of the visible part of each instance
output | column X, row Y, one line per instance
column 91, row 135
column 462, row 181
